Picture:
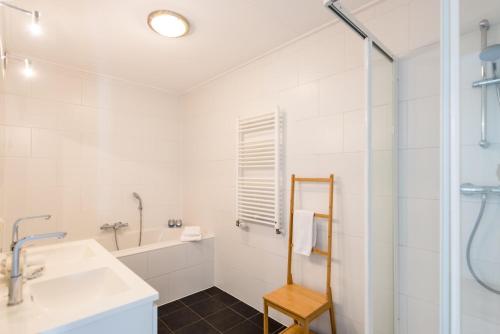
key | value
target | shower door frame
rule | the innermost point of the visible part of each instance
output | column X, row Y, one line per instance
column 450, row 230
column 371, row 43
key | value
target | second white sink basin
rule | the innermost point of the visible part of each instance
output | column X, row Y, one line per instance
column 80, row 290
column 65, row 253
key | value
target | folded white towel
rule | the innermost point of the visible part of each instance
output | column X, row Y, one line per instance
column 191, row 231
column 304, row 232
column 190, row 238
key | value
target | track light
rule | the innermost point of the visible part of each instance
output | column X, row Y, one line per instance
column 34, row 27
column 28, row 69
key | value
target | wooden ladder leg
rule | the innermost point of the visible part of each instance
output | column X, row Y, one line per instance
column 266, row 318
column 332, row 320
column 306, row 327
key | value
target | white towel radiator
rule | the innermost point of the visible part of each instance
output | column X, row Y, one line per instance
column 259, row 184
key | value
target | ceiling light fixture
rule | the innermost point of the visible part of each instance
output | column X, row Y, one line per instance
column 35, row 27
column 27, row 70
column 168, row 23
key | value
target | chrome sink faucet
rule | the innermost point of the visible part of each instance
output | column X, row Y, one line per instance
column 15, row 227
column 16, row 277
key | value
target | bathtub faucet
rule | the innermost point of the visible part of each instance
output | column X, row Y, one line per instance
column 116, row 226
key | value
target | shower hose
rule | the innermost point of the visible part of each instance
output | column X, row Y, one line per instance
column 469, row 247
column 140, row 226
column 140, row 231
column 116, row 240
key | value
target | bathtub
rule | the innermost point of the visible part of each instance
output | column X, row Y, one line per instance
column 174, row 268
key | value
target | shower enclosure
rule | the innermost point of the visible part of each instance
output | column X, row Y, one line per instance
column 470, row 174
column 381, row 173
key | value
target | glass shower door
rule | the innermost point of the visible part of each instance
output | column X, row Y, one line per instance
column 479, row 166
column 381, row 178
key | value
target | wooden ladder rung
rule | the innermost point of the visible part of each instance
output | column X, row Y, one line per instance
column 321, row 215
column 312, row 179
column 294, row 329
column 319, row 251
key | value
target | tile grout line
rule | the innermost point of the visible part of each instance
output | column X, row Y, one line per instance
column 201, row 318
column 165, row 324
column 226, row 306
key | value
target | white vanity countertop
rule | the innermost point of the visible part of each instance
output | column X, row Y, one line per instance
column 82, row 283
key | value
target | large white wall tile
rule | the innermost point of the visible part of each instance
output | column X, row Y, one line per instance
column 419, row 75
column 15, row 141
column 422, row 317
column 419, row 274
column 423, row 122
column 419, row 223
column 419, row 170
column 322, row 54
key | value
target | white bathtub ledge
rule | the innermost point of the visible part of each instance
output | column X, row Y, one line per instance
column 159, row 245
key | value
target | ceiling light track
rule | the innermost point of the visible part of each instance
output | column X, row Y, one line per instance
column 35, row 30
column 27, row 68
column 34, row 14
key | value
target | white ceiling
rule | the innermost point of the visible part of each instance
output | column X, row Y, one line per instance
column 112, row 36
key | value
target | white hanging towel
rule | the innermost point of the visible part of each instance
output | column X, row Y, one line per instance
column 304, row 232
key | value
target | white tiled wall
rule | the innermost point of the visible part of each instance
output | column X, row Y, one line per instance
column 323, row 135
column 76, row 145
column 480, row 307
column 318, row 82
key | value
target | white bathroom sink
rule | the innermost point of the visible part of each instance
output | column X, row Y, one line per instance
column 80, row 290
column 82, row 284
column 71, row 252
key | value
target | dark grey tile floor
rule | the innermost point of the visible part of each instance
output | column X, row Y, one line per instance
column 211, row 311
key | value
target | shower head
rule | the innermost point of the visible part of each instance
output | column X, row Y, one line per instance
column 136, row 195
column 491, row 53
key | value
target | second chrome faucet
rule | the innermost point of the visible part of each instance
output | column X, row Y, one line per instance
column 16, row 276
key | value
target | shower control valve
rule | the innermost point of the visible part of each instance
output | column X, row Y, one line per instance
column 115, row 226
column 120, row 225
column 106, row 227
column 473, row 189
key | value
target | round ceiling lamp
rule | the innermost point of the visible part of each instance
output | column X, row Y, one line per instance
column 168, row 23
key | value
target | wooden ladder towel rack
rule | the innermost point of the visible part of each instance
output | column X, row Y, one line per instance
column 300, row 303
